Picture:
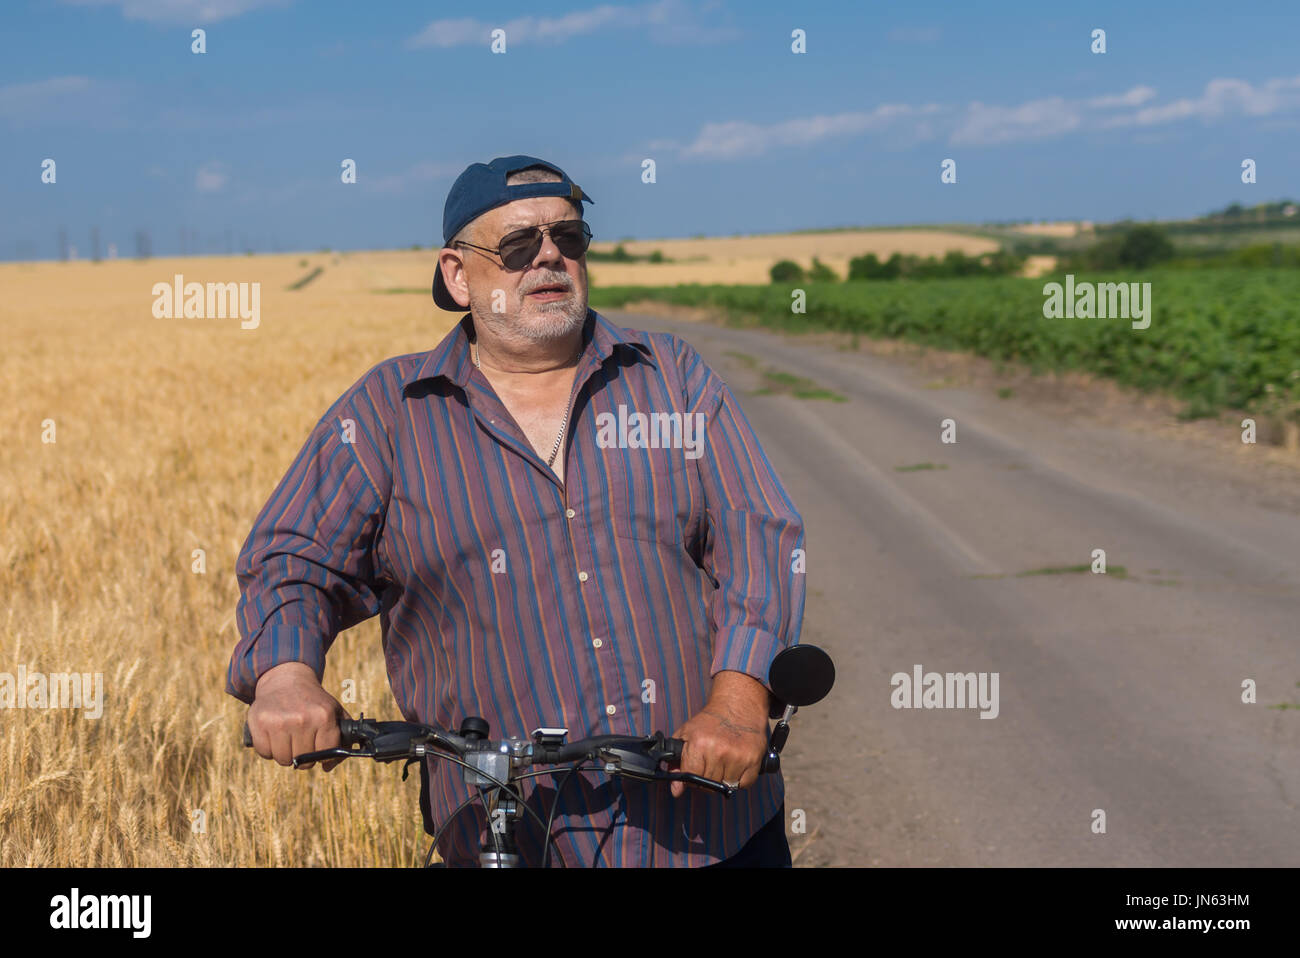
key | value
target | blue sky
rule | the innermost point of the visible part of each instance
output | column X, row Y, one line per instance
column 246, row 140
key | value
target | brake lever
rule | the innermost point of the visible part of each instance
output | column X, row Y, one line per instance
column 336, row 752
column 690, row 778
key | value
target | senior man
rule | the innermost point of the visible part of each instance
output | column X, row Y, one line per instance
column 531, row 563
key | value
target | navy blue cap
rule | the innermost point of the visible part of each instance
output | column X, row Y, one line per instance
column 482, row 187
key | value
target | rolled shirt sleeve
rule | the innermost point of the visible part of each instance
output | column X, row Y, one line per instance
column 309, row 569
column 754, row 537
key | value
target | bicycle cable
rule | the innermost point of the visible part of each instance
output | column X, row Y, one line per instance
column 555, row 803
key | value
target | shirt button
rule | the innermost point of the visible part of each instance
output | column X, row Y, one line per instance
column 610, row 710
column 582, row 577
column 597, row 643
column 570, row 513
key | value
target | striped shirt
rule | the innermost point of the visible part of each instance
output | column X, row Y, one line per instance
column 603, row 604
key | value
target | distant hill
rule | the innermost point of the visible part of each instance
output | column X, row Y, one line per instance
column 1286, row 210
column 1235, row 225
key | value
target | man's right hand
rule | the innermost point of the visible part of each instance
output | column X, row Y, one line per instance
column 291, row 714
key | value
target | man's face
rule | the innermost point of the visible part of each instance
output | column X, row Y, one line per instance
column 513, row 303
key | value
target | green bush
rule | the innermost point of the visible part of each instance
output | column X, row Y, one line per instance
column 618, row 255
column 1144, row 246
column 821, row 273
column 954, row 265
column 870, row 267
column 786, row 271
column 1137, row 247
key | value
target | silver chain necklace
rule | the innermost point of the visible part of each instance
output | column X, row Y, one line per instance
column 563, row 422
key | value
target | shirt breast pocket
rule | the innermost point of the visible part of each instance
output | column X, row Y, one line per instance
column 651, row 494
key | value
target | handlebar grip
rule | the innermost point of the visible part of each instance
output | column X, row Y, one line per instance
column 673, row 749
column 348, row 732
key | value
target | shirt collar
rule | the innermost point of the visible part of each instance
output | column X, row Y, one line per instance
column 451, row 359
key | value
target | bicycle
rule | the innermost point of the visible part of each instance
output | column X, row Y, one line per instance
column 800, row 675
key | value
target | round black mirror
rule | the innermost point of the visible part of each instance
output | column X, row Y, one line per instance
column 800, row 675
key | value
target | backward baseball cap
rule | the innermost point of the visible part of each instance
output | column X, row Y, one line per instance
column 482, row 187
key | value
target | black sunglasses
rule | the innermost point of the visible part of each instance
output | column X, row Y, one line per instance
column 518, row 249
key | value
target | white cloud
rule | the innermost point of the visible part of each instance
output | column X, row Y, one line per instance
column 1134, row 97
column 1223, row 97
column 742, row 138
column 191, row 12
column 453, row 33
column 67, row 102
column 985, row 125
column 211, row 177
column 666, row 21
column 40, row 95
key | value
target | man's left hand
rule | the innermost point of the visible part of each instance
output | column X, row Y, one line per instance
column 726, row 740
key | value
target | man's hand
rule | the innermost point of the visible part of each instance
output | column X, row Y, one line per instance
column 727, row 739
column 291, row 714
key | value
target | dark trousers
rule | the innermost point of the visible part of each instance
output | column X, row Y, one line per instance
column 767, row 849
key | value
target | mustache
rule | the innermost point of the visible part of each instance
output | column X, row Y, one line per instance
column 562, row 280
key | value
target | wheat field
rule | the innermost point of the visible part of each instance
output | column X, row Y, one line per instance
column 169, row 434
column 747, row 259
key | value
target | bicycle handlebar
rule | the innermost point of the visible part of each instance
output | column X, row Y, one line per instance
column 799, row 675
column 631, row 755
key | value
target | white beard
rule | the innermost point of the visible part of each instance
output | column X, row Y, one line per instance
column 543, row 323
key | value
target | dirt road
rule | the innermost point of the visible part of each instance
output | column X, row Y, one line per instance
column 1119, row 692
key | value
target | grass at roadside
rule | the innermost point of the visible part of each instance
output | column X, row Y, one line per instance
column 776, row 382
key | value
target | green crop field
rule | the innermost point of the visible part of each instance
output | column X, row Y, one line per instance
column 1218, row 338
